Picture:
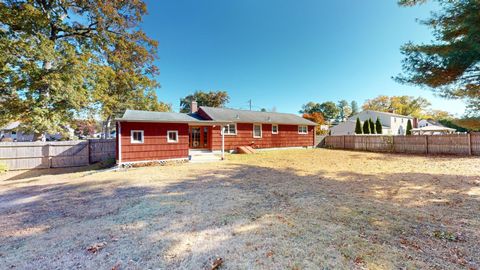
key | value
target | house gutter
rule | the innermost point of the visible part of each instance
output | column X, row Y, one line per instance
column 200, row 123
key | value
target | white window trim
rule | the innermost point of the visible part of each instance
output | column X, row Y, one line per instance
column 303, row 133
column 227, row 133
column 261, row 132
column 168, row 137
column 131, row 136
column 272, row 129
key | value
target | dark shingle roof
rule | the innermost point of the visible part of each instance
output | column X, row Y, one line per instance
column 218, row 115
column 244, row 116
column 135, row 115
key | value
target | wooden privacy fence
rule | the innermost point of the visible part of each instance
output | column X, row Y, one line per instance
column 320, row 140
column 453, row 144
column 39, row 155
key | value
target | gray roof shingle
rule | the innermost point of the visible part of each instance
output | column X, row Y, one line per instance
column 218, row 115
column 171, row 117
column 244, row 116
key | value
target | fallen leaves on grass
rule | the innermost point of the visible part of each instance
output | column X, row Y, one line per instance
column 359, row 261
column 407, row 243
column 457, row 256
column 217, row 263
column 96, row 247
column 284, row 220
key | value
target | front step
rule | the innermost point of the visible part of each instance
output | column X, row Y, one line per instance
column 202, row 156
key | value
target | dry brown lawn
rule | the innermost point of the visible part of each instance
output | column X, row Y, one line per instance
column 292, row 209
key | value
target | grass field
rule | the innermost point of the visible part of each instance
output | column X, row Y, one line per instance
column 292, row 209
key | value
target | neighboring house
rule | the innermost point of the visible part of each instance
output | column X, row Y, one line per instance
column 430, row 127
column 392, row 124
column 344, row 128
column 99, row 135
column 11, row 132
column 324, row 127
column 152, row 136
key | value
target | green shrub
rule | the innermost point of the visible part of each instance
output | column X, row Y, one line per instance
column 3, row 167
column 444, row 235
column 378, row 126
column 366, row 127
column 358, row 127
column 409, row 127
column 372, row 126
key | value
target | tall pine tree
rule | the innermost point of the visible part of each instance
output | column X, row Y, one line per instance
column 354, row 107
column 450, row 65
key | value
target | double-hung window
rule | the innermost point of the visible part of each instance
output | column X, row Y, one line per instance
column 230, row 129
column 136, row 136
column 172, row 136
column 274, row 129
column 257, row 130
column 302, row 130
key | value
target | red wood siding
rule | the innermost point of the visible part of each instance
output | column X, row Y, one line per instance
column 287, row 137
column 155, row 145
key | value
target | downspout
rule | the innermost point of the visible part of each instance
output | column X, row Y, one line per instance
column 223, row 141
column 119, row 138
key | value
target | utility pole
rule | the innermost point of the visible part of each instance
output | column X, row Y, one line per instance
column 250, row 103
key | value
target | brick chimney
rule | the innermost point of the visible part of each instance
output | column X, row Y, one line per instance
column 193, row 106
column 415, row 122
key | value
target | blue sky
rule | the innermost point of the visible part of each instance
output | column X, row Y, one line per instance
column 284, row 53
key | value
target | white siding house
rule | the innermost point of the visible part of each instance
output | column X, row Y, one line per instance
column 392, row 124
column 431, row 127
column 344, row 128
column 11, row 132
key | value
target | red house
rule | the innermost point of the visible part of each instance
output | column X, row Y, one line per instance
column 153, row 136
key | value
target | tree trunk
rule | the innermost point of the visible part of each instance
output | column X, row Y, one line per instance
column 38, row 137
column 102, row 131
column 107, row 127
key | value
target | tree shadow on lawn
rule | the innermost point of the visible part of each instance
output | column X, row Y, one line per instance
column 33, row 173
column 394, row 156
column 252, row 217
